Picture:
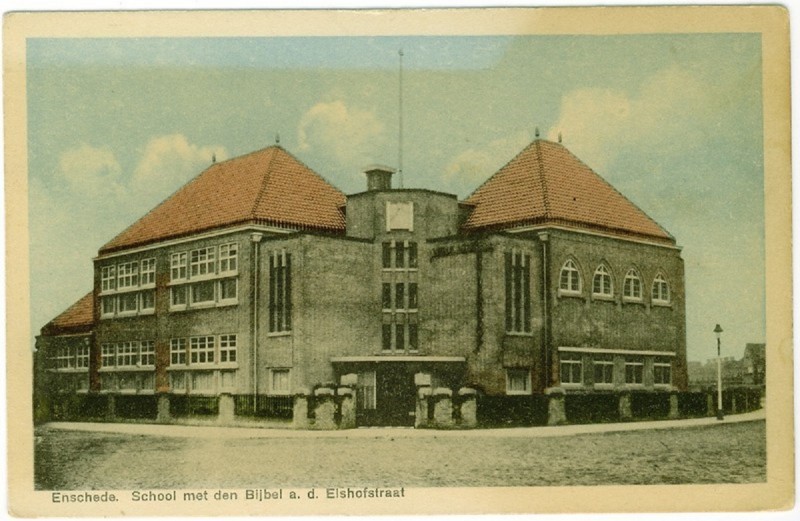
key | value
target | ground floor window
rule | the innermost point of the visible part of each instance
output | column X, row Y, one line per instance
column 128, row 381
column 634, row 372
column 203, row 381
column 662, row 373
column 603, row 371
column 279, row 381
column 365, row 390
column 571, row 368
column 518, row 381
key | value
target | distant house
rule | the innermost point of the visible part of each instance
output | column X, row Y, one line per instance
column 755, row 364
column 749, row 370
column 258, row 279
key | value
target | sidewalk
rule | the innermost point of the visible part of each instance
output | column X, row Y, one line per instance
column 185, row 431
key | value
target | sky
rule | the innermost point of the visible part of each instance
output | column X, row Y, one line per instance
column 674, row 122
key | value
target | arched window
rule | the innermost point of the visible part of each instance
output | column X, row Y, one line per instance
column 633, row 286
column 660, row 291
column 601, row 284
column 570, row 280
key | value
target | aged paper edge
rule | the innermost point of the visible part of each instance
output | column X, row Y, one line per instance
column 770, row 21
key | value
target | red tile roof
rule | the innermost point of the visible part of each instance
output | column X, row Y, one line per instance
column 269, row 186
column 78, row 318
column 547, row 184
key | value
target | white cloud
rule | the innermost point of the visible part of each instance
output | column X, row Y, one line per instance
column 348, row 134
column 599, row 123
column 169, row 161
column 91, row 171
column 476, row 164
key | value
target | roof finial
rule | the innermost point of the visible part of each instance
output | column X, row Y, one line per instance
column 277, row 139
column 213, row 157
column 559, row 136
column 537, row 131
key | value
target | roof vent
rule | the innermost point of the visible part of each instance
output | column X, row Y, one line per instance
column 379, row 177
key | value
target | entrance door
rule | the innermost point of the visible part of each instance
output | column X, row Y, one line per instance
column 395, row 395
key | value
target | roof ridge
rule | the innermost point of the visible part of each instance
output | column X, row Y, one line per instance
column 603, row 179
column 264, row 181
column 542, row 182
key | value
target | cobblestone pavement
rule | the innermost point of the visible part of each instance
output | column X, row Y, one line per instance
column 730, row 452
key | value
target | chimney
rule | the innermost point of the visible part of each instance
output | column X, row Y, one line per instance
column 379, row 177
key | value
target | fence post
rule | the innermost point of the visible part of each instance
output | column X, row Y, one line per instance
column 324, row 409
column 300, row 409
column 674, row 412
column 225, row 409
column 625, row 405
column 710, row 409
column 469, row 407
column 347, row 408
column 442, row 407
column 162, row 415
column 556, row 409
column 423, row 402
column 111, row 407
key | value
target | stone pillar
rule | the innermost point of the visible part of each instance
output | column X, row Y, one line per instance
column 324, row 409
column 442, row 407
column 625, row 406
column 674, row 412
column 347, row 408
column 733, row 401
column 163, row 415
column 111, row 407
column 300, row 409
column 469, row 407
column 421, row 413
column 226, row 412
column 556, row 409
column 710, row 409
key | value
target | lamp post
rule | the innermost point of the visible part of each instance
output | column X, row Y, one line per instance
column 718, row 331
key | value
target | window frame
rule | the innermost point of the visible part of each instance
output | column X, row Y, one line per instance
column 570, row 268
column 638, row 370
column 285, row 378
column 604, row 363
column 603, row 274
column 572, row 361
column 662, row 366
column 517, row 374
column 658, row 297
column 632, row 282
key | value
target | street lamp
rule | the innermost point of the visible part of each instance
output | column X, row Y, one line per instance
column 718, row 331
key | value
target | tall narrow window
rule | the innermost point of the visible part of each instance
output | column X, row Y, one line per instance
column 660, row 291
column 399, row 295
column 400, row 336
column 412, row 295
column 387, row 255
column 178, row 263
column 518, row 292
column 177, row 351
column 148, row 353
column 280, row 294
column 399, row 255
column 386, row 296
column 601, row 284
column 387, row 337
column 227, row 348
column 108, row 276
column 148, row 272
column 571, row 368
column 108, row 355
column 632, row 288
column 228, row 258
column 413, row 337
column 569, row 280
column 412, row 255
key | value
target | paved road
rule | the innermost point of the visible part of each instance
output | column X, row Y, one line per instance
column 127, row 456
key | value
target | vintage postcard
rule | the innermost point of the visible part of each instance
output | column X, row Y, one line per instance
column 461, row 261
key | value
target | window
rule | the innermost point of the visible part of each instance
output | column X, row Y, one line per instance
column 83, row 356
column 177, row 351
column 127, row 354
column 633, row 286
column 387, row 255
column 386, row 296
column 400, row 336
column 127, row 275
column 279, row 381
column 365, row 391
column 571, row 368
column 518, row 381
column 660, row 291
column 603, row 371
column 399, row 255
column 108, row 353
column 399, row 295
column 108, row 278
column 413, row 263
column 387, row 337
column 202, row 349
column 178, row 266
column 413, row 337
column 228, row 258
column 202, row 292
column 412, row 295
column 203, row 381
column 570, row 280
column 202, row 262
column 280, row 291
column 228, row 290
column 518, row 292
column 148, row 299
column 662, row 373
column 177, row 381
column 178, row 296
column 65, row 358
column 634, row 372
column 601, row 283
column 227, row 348
column 108, row 306
column 128, row 303
column 148, row 353
column 148, row 272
